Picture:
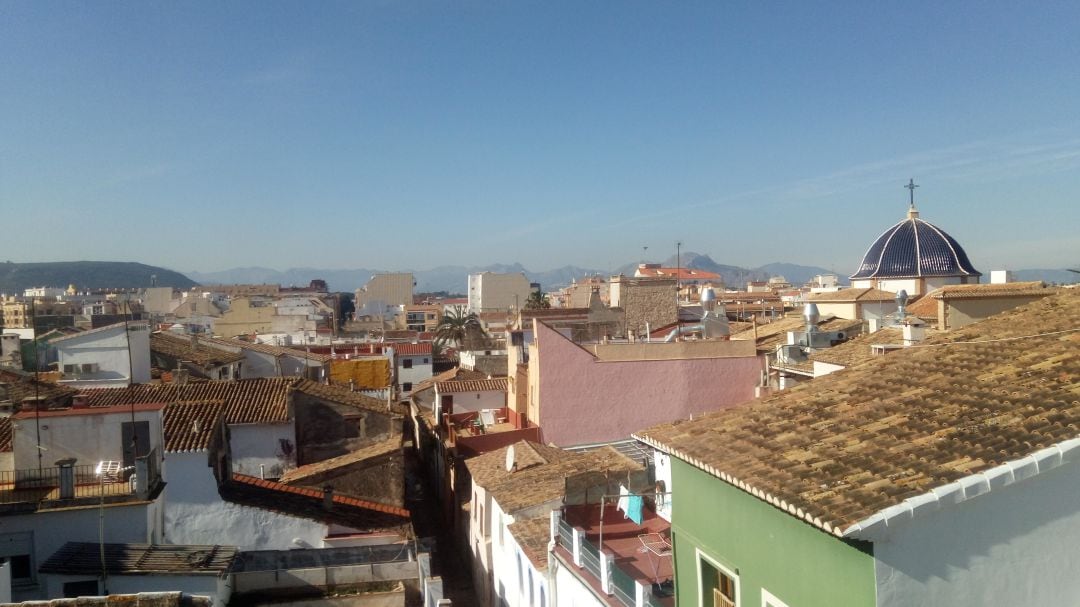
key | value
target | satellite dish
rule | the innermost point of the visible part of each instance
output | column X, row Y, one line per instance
column 510, row 458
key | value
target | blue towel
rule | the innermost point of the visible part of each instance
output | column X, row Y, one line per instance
column 633, row 509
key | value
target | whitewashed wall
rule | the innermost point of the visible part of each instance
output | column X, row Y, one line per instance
column 196, row 514
column 572, row 592
column 1016, row 545
column 419, row 371
column 475, row 401
column 51, row 529
column 88, row 438
column 259, row 445
column 512, row 570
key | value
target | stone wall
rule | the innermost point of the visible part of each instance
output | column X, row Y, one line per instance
column 646, row 301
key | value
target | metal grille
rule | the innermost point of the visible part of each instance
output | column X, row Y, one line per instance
column 566, row 534
column 590, row 558
column 624, row 587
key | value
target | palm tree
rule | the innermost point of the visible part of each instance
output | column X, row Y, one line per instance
column 537, row 301
column 456, row 326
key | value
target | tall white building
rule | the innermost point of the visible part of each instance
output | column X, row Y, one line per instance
column 492, row 292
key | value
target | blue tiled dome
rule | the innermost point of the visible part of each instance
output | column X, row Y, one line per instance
column 914, row 248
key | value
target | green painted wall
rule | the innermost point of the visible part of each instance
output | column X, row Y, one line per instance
column 798, row 563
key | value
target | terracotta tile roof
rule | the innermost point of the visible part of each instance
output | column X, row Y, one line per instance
column 746, row 297
column 457, row 373
column 247, row 401
column 141, row 599
column 265, row 349
column 406, row 349
column 180, row 348
column 533, row 534
column 858, row 349
column 22, row 385
column 555, row 313
column 308, row 503
column 926, row 307
column 297, row 476
column 497, row 384
column 852, row 295
column 846, row 446
column 1011, row 289
column 191, row 426
column 681, row 273
column 540, row 473
column 775, row 333
column 84, row 558
column 5, row 435
column 341, row 395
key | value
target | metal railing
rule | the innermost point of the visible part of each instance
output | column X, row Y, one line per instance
column 623, row 586
column 40, row 484
column 566, row 535
column 590, row 558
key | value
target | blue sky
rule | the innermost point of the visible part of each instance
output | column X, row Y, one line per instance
column 397, row 135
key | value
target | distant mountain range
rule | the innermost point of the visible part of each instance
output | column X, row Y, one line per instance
column 17, row 277
column 454, row 279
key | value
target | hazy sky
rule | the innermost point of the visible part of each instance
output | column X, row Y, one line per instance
column 396, row 135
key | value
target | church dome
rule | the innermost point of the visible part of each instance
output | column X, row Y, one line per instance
column 914, row 248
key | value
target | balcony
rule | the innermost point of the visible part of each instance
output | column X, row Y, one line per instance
column 630, row 563
column 69, row 484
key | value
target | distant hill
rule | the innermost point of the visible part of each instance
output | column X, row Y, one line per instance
column 1062, row 277
column 17, row 277
column 454, row 279
column 799, row 275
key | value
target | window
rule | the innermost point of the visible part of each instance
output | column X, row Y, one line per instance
column 74, row 590
column 407, row 386
column 768, row 600
column 427, row 361
column 719, row 586
column 18, row 548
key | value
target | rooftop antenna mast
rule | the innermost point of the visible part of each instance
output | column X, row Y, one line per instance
column 678, row 285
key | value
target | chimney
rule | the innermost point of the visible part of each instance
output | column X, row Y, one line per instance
column 80, row 401
column 328, row 497
column 30, row 403
column 67, row 478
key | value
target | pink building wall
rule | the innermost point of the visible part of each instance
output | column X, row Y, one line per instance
column 585, row 400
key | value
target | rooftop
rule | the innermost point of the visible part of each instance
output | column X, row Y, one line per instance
column 297, row 476
column 533, row 534
column 843, row 447
column 265, row 348
column 189, row 349
column 141, row 599
column 860, row 295
column 497, row 384
column 191, row 425
column 858, row 349
column 309, row 503
column 773, row 334
column 341, row 395
column 540, row 472
column 247, row 401
column 84, row 558
column 1010, row 289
